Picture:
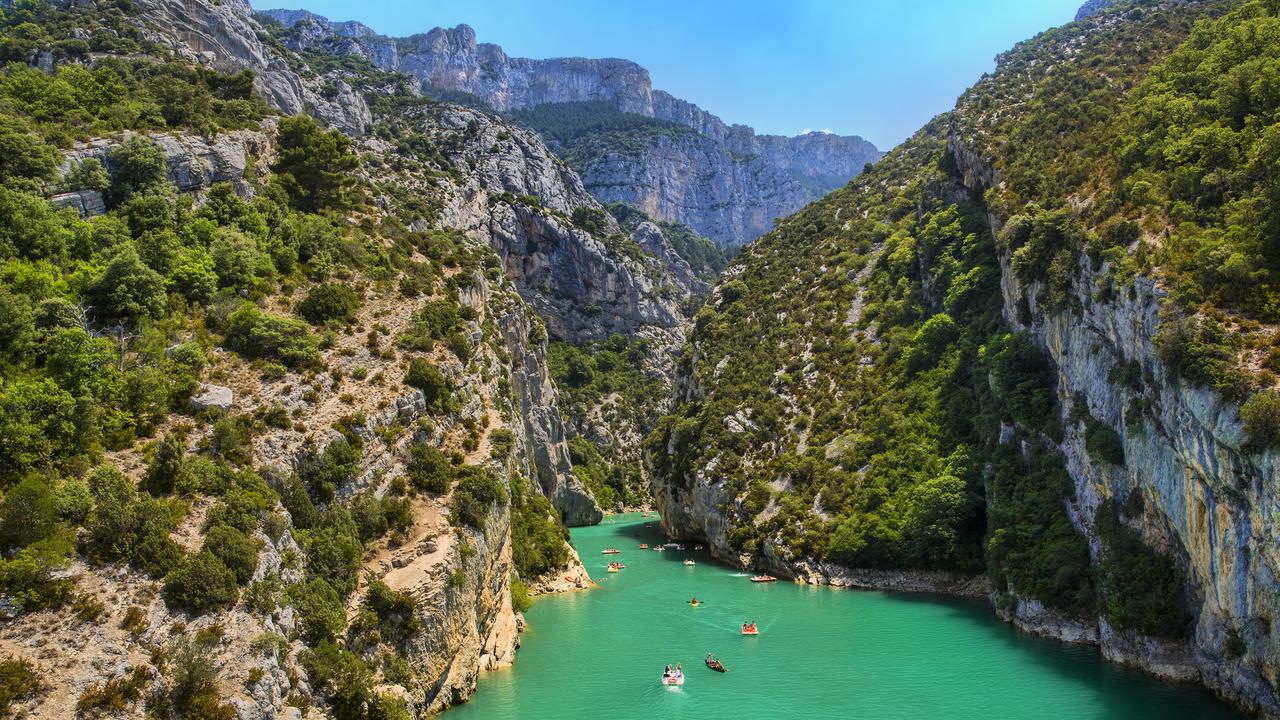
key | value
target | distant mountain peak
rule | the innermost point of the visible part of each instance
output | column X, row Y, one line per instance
column 763, row 176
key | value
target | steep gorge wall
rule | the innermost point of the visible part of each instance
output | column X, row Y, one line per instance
column 584, row 284
column 1208, row 502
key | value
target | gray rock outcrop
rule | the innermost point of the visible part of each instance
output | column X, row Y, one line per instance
column 195, row 163
column 209, row 397
column 725, row 181
column 224, row 36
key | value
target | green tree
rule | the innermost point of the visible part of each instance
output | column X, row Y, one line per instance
column 27, row 513
column 329, row 302
column 128, row 290
column 23, row 155
column 429, row 469
column 200, row 583
column 436, row 388
column 321, row 611
column 137, row 164
column 237, row 551
column 316, row 166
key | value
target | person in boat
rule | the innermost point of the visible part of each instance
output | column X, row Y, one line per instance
column 679, row 670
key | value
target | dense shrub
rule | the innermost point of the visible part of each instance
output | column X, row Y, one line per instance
column 436, row 320
column 520, row 600
column 25, row 155
column 19, row 680
column 1025, row 380
column 1261, row 416
column 114, row 695
column 1142, row 589
column 166, row 467
column 1202, row 351
column 194, row 688
column 1102, row 442
column 341, row 676
column 237, row 551
column 429, row 469
column 200, row 582
column 1032, row 547
column 258, row 334
column 538, row 539
column 394, row 610
column 320, row 610
column 333, row 555
column 330, row 302
column 323, row 472
column 128, row 291
column 137, row 165
column 27, row 513
column 475, row 494
column 436, row 388
column 128, row 526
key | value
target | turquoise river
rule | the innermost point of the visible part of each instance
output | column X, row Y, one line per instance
column 821, row 652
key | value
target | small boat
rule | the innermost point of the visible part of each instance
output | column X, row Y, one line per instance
column 676, row 679
column 644, row 546
column 750, row 629
column 697, row 547
column 688, row 562
column 763, row 578
column 610, row 551
column 659, row 549
column 714, row 664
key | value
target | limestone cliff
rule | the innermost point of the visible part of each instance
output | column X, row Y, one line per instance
column 1204, row 495
column 544, row 259
column 724, row 181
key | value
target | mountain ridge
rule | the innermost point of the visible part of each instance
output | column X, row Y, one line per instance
column 779, row 173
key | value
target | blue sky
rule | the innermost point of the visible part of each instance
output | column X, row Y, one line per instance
column 877, row 69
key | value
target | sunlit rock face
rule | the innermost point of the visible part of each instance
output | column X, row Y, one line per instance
column 725, row 181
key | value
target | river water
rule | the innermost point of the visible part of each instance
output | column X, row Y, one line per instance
column 821, row 652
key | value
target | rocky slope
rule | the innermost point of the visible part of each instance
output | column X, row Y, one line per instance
column 1195, row 489
column 725, row 181
column 505, row 235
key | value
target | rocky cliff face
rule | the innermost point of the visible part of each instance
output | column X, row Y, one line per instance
column 1208, row 502
column 689, row 179
column 507, row 197
column 1206, row 497
column 725, row 181
column 224, row 36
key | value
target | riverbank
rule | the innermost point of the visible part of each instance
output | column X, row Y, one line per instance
column 1165, row 660
column 884, row 654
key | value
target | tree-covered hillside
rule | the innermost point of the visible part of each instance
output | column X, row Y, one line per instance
column 856, row 392
column 127, row 303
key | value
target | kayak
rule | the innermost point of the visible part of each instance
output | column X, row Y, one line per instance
column 763, row 578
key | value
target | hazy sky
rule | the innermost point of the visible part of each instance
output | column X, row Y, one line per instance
column 878, row 69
